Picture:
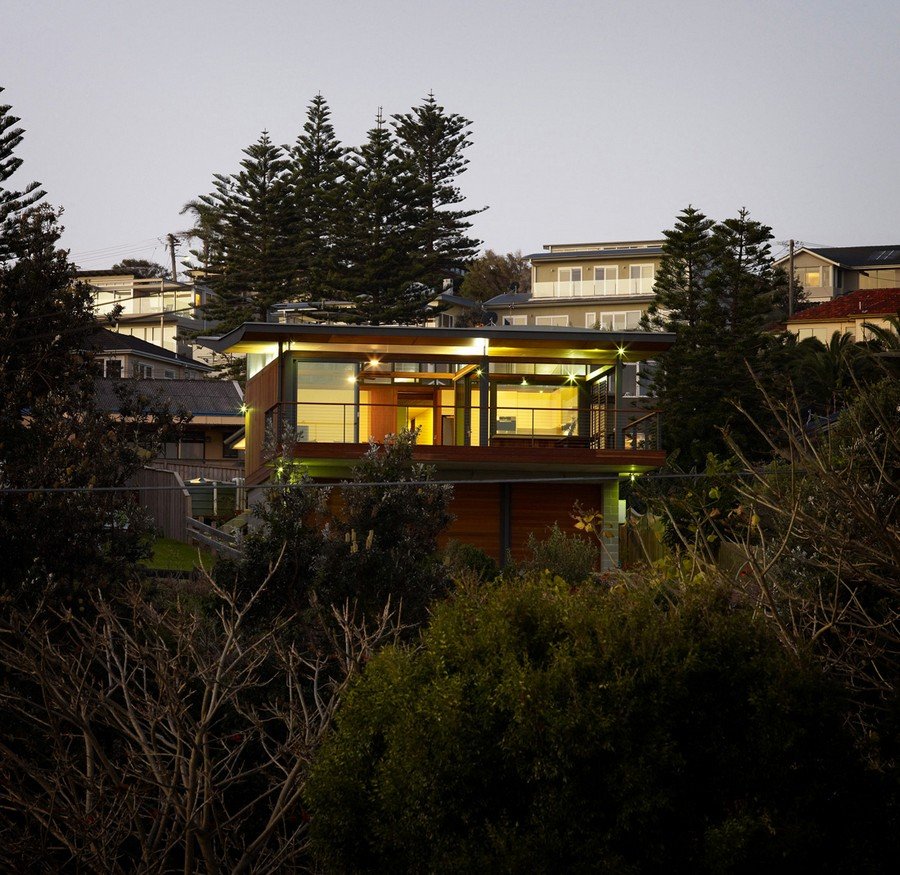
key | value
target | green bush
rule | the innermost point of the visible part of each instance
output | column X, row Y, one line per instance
column 571, row 557
column 465, row 561
column 540, row 727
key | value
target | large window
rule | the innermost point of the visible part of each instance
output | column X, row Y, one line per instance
column 606, row 280
column 623, row 320
column 640, row 279
column 812, row 277
column 569, row 282
column 515, row 320
column 555, row 321
column 326, row 396
column 529, row 410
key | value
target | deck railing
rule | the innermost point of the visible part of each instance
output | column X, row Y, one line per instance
column 600, row 427
column 594, row 288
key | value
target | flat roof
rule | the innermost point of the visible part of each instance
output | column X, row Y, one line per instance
column 455, row 342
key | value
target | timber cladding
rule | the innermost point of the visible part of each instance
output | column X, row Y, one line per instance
column 260, row 395
column 532, row 508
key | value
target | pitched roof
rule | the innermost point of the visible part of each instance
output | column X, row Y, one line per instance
column 864, row 302
column 105, row 340
column 199, row 397
column 884, row 255
column 566, row 255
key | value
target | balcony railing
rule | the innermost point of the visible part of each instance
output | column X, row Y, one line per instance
column 599, row 427
column 593, row 288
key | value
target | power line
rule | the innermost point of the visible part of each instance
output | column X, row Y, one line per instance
column 604, row 478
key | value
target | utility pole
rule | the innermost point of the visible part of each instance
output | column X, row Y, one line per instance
column 790, row 278
column 171, row 238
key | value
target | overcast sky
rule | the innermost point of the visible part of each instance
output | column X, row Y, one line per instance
column 591, row 121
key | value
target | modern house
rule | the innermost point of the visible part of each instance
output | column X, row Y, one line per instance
column 156, row 310
column 847, row 315
column 524, row 420
column 828, row 272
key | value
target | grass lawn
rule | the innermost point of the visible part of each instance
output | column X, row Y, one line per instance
column 169, row 555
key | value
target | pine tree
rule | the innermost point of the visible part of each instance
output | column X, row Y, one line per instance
column 433, row 142
column 51, row 433
column 248, row 221
column 715, row 290
column 12, row 202
column 381, row 236
column 680, row 287
column 317, row 171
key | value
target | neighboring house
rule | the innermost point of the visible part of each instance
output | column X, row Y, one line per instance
column 209, row 445
column 587, row 285
column 497, row 407
column 157, row 310
column 126, row 355
column 828, row 272
column 847, row 315
column 584, row 285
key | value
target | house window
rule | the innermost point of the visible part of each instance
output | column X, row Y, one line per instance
column 811, row 277
column 515, row 320
column 555, row 321
column 186, row 448
column 605, row 280
column 143, row 371
column 169, row 374
column 640, row 279
column 569, row 282
column 624, row 320
column 590, row 320
column 444, row 320
column 112, row 369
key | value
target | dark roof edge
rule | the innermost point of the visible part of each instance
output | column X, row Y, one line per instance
column 236, row 335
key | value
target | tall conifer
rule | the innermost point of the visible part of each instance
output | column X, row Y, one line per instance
column 715, row 290
column 433, row 142
column 251, row 265
column 12, row 202
column 317, row 174
column 383, row 204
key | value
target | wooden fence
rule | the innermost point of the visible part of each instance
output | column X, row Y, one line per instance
column 164, row 495
column 222, row 543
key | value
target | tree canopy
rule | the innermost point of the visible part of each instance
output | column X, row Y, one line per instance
column 540, row 727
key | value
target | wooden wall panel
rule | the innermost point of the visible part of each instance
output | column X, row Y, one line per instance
column 261, row 393
column 477, row 510
column 537, row 507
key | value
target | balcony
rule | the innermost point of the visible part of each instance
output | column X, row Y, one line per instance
column 593, row 288
column 592, row 428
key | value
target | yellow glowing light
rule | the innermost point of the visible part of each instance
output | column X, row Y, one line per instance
column 524, row 381
column 351, row 379
column 244, row 408
column 374, row 362
column 621, row 350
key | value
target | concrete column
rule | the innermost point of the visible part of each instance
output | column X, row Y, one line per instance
column 610, row 554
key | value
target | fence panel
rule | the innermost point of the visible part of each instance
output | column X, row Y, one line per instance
column 164, row 495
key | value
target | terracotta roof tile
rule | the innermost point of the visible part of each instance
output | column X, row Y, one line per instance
column 865, row 302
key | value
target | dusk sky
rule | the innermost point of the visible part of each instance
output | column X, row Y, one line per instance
column 591, row 121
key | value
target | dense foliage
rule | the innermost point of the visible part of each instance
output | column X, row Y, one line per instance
column 371, row 540
column 369, row 234
column 544, row 728
column 52, row 436
column 718, row 290
column 492, row 274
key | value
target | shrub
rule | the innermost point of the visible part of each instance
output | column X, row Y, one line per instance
column 540, row 728
column 571, row 557
column 466, row 561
